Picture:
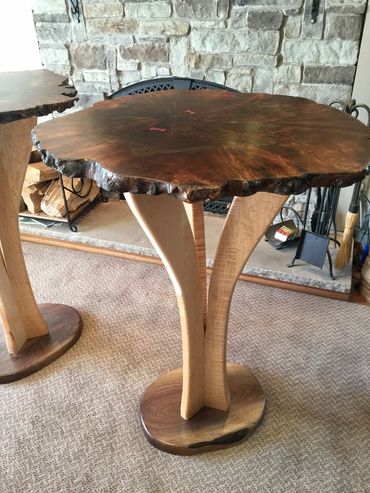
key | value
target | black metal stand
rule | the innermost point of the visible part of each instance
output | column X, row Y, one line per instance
column 50, row 221
column 313, row 248
column 218, row 206
column 71, row 224
column 313, row 245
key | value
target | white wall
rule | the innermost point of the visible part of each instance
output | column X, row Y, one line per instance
column 19, row 48
column 361, row 92
column 361, row 88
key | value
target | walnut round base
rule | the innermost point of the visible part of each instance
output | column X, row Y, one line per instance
column 65, row 327
column 209, row 429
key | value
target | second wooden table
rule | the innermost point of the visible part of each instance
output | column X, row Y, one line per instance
column 33, row 335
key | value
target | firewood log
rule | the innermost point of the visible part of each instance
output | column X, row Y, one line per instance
column 33, row 196
column 35, row 156
column 39, row 172
column 53, row 204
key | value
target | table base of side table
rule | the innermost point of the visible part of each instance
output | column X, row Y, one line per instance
column 64, row 326
column 209, row 429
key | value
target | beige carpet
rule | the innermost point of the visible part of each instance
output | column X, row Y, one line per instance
column 74, row 427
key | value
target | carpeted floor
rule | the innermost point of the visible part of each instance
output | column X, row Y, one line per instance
column 74, row 426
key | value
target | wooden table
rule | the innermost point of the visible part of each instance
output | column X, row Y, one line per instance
column 33, row 335
column 196, row 146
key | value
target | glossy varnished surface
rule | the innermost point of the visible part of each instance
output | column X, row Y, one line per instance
column 33, row 93
column 207, row 144
column 64, row 326
column 209, row 429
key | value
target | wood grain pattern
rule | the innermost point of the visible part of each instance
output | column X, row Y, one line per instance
column 18, row 308
column 227, row 144
column 13, row 327
column 209, row 429
column 23, row 96
column 64, row 328
column 165, row 222
column 195, row 215
column 246, row 222
column 33, row 93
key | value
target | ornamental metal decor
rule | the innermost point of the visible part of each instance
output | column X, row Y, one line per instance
column 315, row 10
column 75, row 9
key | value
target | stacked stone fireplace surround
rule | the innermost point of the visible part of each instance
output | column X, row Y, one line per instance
column 251, row 45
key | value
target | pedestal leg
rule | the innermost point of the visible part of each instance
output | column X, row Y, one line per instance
column 220, row 404
column 164, row 221
column 245, row 224
column 20, row 317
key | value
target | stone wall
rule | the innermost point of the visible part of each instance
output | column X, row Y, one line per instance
column 251, row 45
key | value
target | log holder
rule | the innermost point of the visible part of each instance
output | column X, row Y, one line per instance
column 71, row 224
column 69, row 220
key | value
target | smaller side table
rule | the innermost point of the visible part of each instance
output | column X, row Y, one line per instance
column 33, row 335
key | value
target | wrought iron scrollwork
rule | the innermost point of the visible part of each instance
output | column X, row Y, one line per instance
column 352, row 108
column 75, row 9
column 315, row 10
column 75, row 191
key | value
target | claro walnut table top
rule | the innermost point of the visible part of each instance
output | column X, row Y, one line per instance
column 207, row 144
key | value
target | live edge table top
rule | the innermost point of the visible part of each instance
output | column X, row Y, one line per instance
column 30, row 93
column 207, row 144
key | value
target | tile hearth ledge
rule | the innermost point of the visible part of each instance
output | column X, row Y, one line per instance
column 111, row 225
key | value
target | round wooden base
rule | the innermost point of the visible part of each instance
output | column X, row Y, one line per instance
column 64, row 325
column 209, row 429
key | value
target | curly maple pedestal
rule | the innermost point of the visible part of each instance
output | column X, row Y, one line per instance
column 23, row 96
column 205, row 378
column 195, row 146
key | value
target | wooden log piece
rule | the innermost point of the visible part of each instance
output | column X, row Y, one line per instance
column 35, row 156
column 33, row 195
column 22, row 206
column 39, row 172
column 53, row 204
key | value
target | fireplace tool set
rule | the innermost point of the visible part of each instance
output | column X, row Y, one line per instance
column 313, row 245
